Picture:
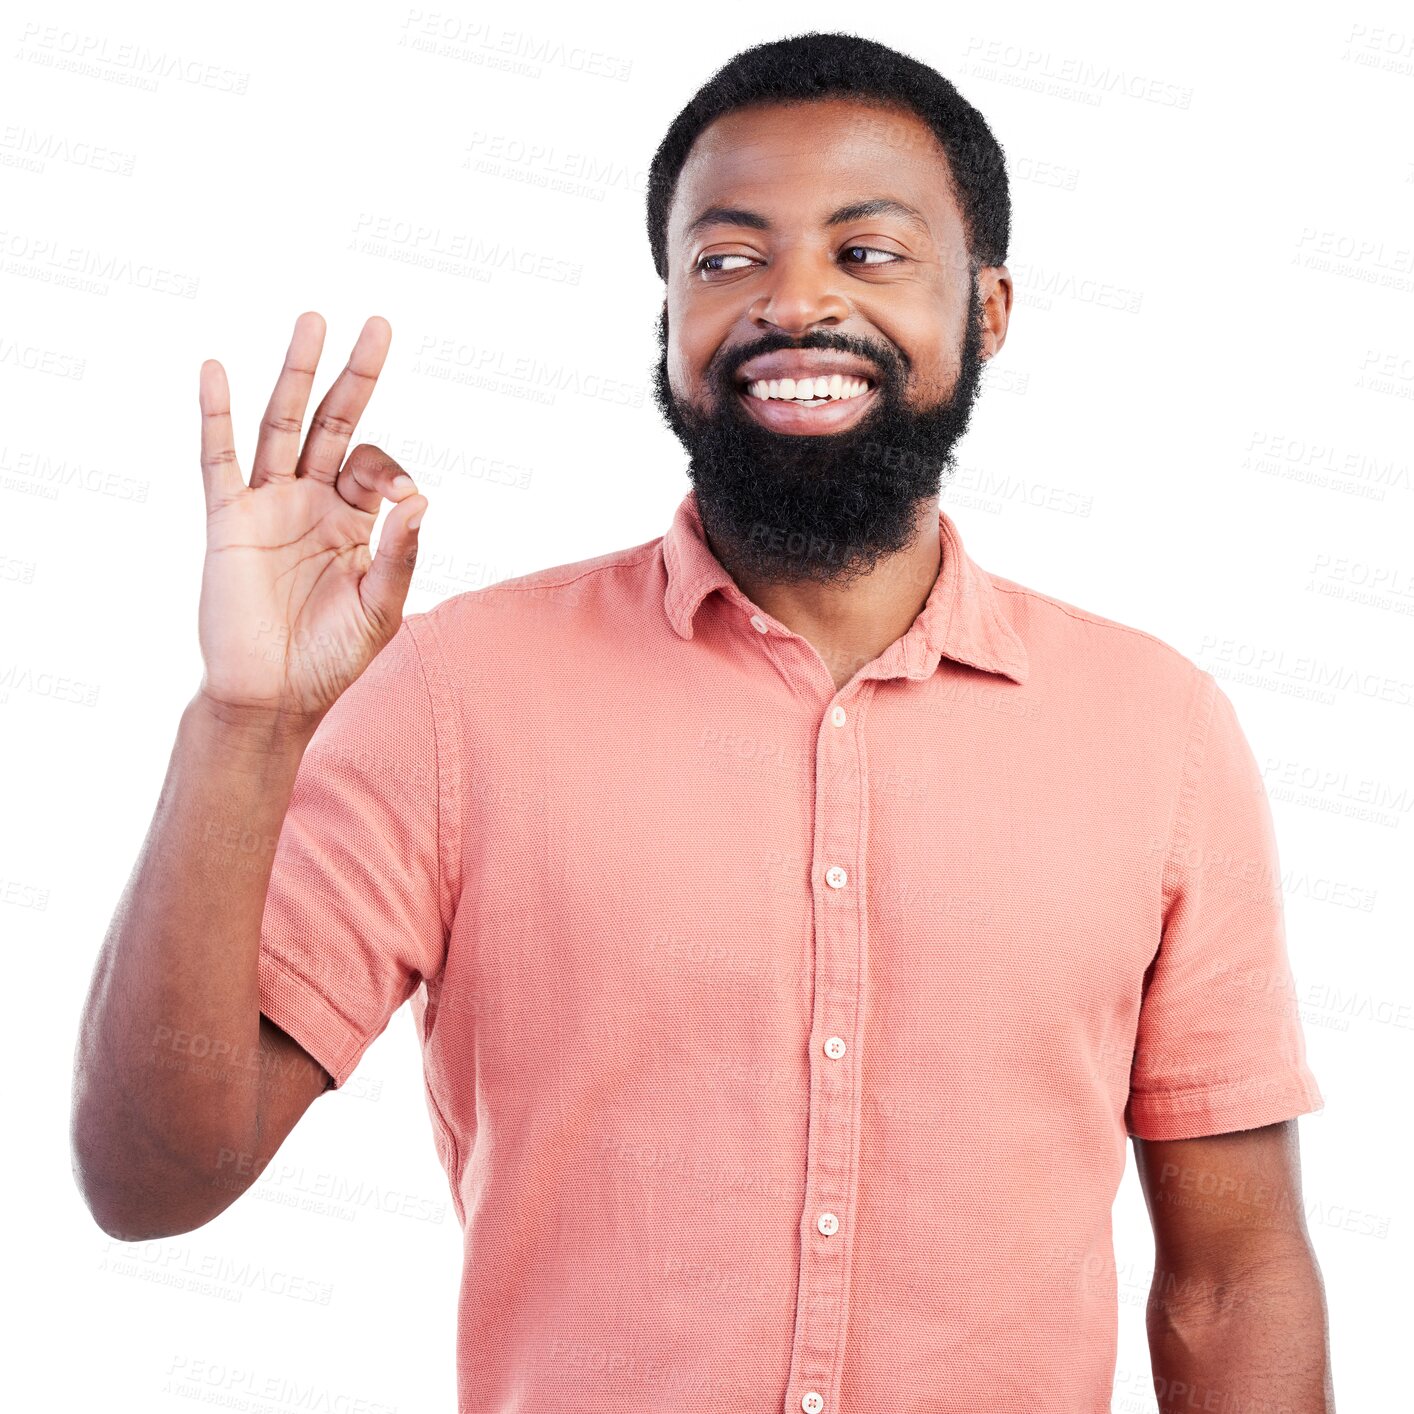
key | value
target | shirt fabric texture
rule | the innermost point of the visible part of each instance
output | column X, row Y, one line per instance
column 782, row 1043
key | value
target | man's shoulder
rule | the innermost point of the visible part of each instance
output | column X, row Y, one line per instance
column 1063, row 636
column 572, row 596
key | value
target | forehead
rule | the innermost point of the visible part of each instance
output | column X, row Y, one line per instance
column 799, row 162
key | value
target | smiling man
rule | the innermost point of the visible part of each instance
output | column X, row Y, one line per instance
column 821, row 343
column 799, row 920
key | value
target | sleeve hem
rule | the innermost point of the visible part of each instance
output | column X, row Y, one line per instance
column 297, row 1007
column 1222, row 1109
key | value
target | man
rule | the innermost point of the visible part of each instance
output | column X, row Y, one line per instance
column 798, row 918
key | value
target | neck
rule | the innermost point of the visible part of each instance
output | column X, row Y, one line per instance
column 849, row 625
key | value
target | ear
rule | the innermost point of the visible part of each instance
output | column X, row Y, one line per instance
column 994, row 293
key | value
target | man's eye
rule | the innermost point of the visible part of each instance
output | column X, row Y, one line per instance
column 701, row 264
column 874, row 250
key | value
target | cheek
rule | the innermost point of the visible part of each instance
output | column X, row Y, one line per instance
column 934, row 371
column 688, row 355
column 680, row 371
column 929, row 328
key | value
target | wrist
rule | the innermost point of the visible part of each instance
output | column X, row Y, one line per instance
column 248, row 730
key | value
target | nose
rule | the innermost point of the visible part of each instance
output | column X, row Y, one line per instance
column 802, row 292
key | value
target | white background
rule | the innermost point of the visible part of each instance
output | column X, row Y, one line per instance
column 1225, row 463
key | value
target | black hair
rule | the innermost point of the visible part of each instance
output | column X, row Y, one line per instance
column 813, row 66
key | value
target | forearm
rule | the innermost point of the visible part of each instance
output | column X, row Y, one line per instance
column 1255, row 1341
column 166, row 1073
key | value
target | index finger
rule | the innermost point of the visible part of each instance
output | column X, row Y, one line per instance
column 341, row 407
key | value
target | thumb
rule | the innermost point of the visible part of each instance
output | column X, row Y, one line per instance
column 384, row 587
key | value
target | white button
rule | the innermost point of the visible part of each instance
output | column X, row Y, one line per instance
column 828, row 1223
column 835, row 1047
column 835, row 877
column 812, row 1403
column 837, row 715
column 758, row 623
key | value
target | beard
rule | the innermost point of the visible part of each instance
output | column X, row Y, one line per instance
column 790, row 508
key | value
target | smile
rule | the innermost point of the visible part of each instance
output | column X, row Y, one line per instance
column 831, row 403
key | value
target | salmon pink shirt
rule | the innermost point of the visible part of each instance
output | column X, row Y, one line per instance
column 782, row 1043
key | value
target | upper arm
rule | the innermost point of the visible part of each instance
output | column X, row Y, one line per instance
column 1223, row 1206
column 290, row 1081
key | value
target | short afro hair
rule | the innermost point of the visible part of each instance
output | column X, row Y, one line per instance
column 813, row 66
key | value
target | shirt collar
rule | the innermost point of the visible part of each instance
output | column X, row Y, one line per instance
column 962, row 619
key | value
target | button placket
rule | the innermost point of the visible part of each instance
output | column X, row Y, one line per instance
column 832, row 1175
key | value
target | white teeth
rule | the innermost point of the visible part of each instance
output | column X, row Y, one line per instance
column 834, row 387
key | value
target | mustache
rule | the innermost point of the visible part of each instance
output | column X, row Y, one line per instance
column 890, row 366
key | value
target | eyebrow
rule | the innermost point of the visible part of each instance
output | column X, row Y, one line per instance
column 855, row 211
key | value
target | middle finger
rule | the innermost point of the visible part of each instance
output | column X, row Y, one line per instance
column 338, row 413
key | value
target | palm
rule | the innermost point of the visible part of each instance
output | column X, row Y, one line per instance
column 293, row 603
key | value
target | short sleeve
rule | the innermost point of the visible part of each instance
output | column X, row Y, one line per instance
column 353, row 919
column 1220, row 1044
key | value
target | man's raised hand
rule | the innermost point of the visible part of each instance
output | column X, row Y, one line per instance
column 293, row 604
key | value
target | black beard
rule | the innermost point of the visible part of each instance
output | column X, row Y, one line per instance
column 788, row 508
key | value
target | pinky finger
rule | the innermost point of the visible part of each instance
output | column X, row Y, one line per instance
column 220, row 472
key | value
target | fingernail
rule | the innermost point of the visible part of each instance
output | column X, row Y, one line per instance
column 401, row 481
column 415, row 521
